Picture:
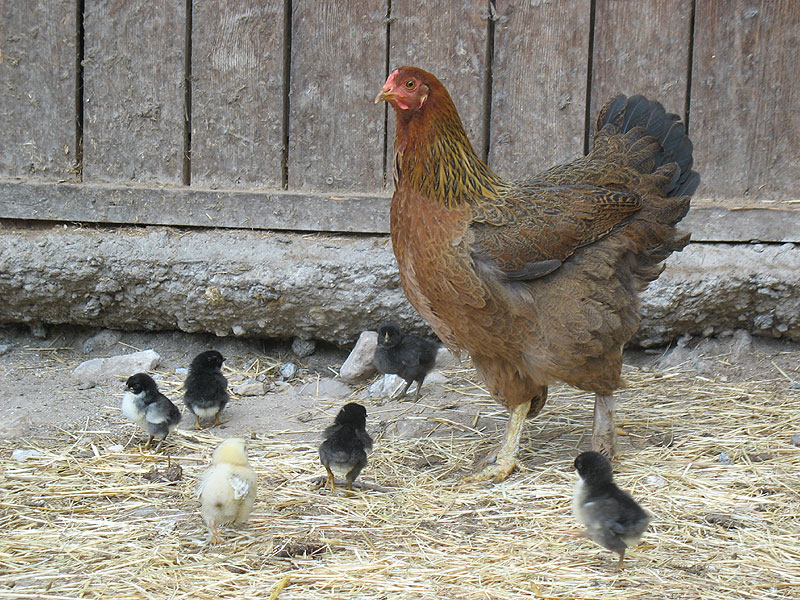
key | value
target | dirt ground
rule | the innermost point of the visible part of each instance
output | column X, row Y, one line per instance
column 38, row 394
column 705, row 443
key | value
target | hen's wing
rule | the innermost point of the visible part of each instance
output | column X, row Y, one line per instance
column 533, row 228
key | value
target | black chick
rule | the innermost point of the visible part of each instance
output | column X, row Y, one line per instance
column 346, row 443
column 205, row 388
column 151, row 410
column 612, row 517
column 409, row 356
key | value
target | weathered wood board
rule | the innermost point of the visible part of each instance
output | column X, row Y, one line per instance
column 452, row 45
column 237, row 96
column 745, row 105
column 133, row 98
column 309, row 211
column 336, row 133
column 539, row 85
column 641, row 47
column 37, row 89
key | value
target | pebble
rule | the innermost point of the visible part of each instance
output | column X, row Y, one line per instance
column 279, row 387
column 795, row 385
column 86, row 385
column 124, row 365
column 796, row 439
column 5, row 349
column 387, row 385
column 655, row 480
column 288, row 370
column 359, row 362
column 250, row 388
column 724, row 458
column 327, row 387
column 181, row 371
column 303, row 348
column 21, row 455
column 116, row 448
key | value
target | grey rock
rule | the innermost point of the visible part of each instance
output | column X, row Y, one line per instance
column 38, row 330
column 303, row 348
column 724, row 458
column 251, row 387
column 794, row 385
column 796, row 439
column 741, row 346
column 279, row 387
column 445, row 358
column 656, row 481
column 288, row 370
column 359, row 364
column 116, row 448
column 102, row 340
column 328, row 287
column 387, row 386
column 5, row 349
column 326, row 387
column 21, row 455
column 98, row 370
column 181, row 371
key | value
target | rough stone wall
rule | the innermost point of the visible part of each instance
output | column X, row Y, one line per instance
column 282, row 285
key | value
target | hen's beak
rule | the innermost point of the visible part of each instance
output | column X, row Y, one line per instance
column 384, row 94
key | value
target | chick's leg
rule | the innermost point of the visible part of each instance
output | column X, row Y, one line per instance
column 331, row 479
column 216, row 420
column 603, row 432
column 215, row 537
column 507, row 454
column 197, row 423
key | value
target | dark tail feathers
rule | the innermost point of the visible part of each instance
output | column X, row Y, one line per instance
column 625, row 114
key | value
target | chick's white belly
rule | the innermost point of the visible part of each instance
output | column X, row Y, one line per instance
column 205, row 412
column 133, row 409
column 340, row 469
column 579, row 496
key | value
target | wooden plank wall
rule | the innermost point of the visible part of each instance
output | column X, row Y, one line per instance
column 37, row 89
column 279, row 102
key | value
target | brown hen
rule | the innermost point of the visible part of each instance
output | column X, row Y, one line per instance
column 537, row 280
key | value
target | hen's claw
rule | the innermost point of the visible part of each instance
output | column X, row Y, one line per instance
column 506, row 460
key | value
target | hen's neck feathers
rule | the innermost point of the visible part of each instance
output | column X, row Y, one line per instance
column 435, row 158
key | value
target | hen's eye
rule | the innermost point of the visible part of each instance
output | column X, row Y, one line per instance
column 410, row 84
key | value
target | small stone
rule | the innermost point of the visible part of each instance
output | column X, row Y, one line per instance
column 85, row 385
column 655, row 480
column 101, row 340
column 5, row 349
column 181, row 372
column 359, row 363
column 445, row 358
column 288, row 370
column 250, row 388
column 386, row 386
column 116, row 448
column 21, row 455
column 794, row 385
column 279, row 387
column 724, row 458
column 303, row 348
column 326, row 386
column 38, row 330
column 796, row 439
column 97, row 370
column 262, row 377
column 238, row 330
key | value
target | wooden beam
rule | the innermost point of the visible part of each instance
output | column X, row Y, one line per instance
column 708, row 220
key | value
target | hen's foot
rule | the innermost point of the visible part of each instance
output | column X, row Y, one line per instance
column 506, row 460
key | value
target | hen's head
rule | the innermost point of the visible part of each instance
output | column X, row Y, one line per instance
column 409, row 88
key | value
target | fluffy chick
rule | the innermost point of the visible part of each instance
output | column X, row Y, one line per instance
column 206, row 388
column 346, row 443
column 228, row 487
column 151, row 410
column 612, row 517
column 409, row 356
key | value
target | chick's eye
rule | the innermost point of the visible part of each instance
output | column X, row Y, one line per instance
column 410, row 84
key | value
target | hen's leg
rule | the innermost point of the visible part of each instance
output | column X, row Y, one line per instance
column 603, row 434
column 507, row 454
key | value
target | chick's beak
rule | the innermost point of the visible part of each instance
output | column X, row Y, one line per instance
column 384, row 94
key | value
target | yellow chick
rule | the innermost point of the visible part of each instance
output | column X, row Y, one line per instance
column 228, row 488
